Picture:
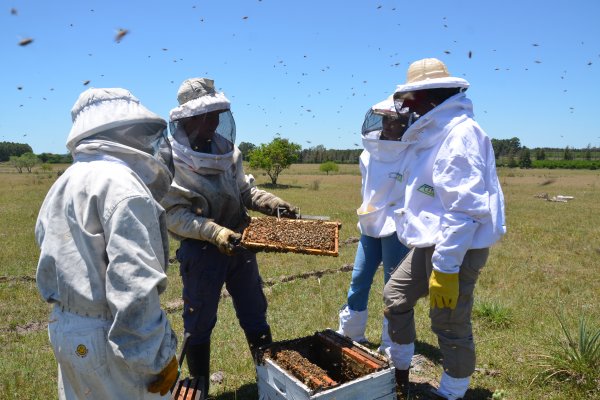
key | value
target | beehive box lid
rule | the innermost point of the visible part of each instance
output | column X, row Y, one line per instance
column 292, row 235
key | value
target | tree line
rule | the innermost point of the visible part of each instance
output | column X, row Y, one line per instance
column 509, row 153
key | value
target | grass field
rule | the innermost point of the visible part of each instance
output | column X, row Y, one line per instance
column 547, row 262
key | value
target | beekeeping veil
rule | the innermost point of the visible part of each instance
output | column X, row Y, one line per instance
column 201, row 107
column 111, row 124
column 382, row 117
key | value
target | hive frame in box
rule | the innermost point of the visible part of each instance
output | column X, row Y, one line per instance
column 275, row 383
column 291, row 249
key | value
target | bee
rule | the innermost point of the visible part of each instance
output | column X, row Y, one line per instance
column 25, row 42
column 121, row 34
column 470, row 54
column 86, row 82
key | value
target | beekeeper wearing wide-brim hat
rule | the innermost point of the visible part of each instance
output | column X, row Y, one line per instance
column 207, row 209
column 105, row 250
column 451, row 213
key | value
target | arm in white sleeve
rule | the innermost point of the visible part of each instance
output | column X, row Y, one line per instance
column 140, row 333
column 460, row 185
column 183, row 218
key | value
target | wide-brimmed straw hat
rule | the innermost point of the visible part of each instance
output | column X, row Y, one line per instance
column 429, row 73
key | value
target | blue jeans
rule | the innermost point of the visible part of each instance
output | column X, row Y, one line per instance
column 204, row 271
column 370, row 253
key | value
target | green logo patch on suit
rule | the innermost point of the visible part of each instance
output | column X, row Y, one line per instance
column 426, row 189
column 395, row 175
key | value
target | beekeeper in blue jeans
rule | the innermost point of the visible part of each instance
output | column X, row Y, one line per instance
column 382, row 189
column 207, row 208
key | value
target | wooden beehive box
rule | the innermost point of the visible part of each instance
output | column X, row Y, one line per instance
column 292, row 235
column 324, row 366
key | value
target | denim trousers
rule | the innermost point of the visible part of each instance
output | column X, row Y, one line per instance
column 370, row 253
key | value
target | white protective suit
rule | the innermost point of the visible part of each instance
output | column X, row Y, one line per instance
column 383, row 186
column 210, row 190
column 104, row 253
column 453, row 198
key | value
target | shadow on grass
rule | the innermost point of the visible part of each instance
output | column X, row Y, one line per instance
column 266, row 186
column 423, row 391
column 432, row 353
column 248, row 391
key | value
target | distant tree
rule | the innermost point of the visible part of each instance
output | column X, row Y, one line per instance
column 587, row 153
column 16, row 162
column 329, row 166
column 567, row 154
column 274, row 157
column 512, row 163
column 540, row 154
column 525, row 158
column 29, row 160
column 246, row 148
column 8, row 149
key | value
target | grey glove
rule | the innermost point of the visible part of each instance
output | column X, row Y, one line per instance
column 226, row 241
column 286, row 210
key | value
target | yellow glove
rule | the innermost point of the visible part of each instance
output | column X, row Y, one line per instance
column 166, row 378
column 443, row 290
column 226, row 241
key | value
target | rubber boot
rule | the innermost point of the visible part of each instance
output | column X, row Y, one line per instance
column 198, row 361
column 256, row 340
column 353, row 324
column 402, row 382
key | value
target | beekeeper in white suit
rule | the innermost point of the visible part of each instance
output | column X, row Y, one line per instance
column 382, row 189
column 206, row 210
column 451, row 213
column 104, row 253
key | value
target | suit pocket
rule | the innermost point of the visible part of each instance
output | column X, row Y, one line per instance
column 81, row 350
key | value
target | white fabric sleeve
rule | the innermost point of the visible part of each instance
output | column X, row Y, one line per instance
column 458, row 177
column 140, row 333
column 185, row 223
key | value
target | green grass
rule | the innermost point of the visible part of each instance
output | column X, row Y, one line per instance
column 492, row 313
column 573, row 357
column 548, row 260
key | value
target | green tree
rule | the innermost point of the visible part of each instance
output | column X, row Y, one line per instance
column 587, row 153
column 29, row 160
column 246, row 148
column 274, row 157
column 512, row 163
column 16, row 162
column 568, row 153
column 8, row 149
column 540, row 154
column 329, row 166
column 525, row 158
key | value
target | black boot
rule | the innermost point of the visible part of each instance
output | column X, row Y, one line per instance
column 402, row 382
column 198, row 361
column 256, row 340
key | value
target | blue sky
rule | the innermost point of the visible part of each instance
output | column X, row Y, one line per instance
column 304, row 70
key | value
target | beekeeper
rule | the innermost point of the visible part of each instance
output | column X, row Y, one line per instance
column 452, row 212
column 104, row 253
column 382, row 189
column 206, row 210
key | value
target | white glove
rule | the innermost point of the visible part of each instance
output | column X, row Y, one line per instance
column 226, row 241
